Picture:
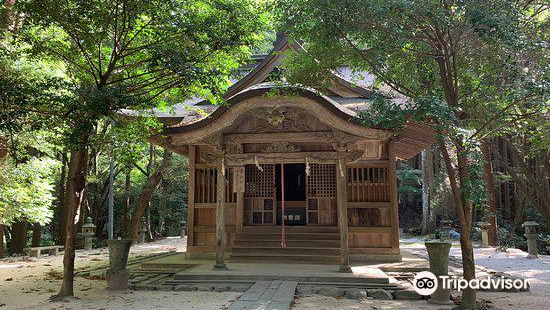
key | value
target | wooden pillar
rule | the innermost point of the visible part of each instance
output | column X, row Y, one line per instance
column 392, row 178
column 220, row 216
column 342, row 207
column 239, row 186
column 191, row 198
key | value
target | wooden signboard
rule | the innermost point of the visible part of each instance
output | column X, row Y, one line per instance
column 238, row 179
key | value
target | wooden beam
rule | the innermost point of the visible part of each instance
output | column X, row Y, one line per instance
column 310, row 136
column 321, row 157
column 377, row 250
column 239, row 220
column 207, row 205
column 220, row 216
column 372, row 230
column 212, row 229
column 341, row 205
column 239, row 185
column 368, row 205
column 392, row 179
column 191, row 196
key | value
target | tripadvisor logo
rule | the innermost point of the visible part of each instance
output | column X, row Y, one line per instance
column 426, row 283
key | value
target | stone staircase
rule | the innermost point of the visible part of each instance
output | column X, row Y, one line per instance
column 304, row 244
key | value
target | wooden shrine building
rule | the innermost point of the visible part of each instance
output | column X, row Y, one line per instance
column 303, row 150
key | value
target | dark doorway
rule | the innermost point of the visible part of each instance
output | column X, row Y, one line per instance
column 295, row 193
column 295, row 182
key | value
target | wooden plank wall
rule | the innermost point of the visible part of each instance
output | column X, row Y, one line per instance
column 202, row 204
column 370, row 209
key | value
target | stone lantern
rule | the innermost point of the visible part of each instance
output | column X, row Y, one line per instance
column 484, row 226
column 530, row 227
column 142, row 233
column 446, row 230
column 88, row 232
column 183, row 228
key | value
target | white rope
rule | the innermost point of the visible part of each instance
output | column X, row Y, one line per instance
column 307, row 167
column 340, row 165
column 223, row 166
column 258, row 164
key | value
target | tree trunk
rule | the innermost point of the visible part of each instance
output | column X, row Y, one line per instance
column 464, row 207
column 1, row 241
column 127, row 185
column 76, row 183
column 162, row 206
column 147, row 191
column 427, row 166
column 3, row 159
column 152, row 160
column 62, row 212
column 490, row 182
column 148, row 221
column 18, row 237
column 36, row 234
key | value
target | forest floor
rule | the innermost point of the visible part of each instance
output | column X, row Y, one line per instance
column 27, row 283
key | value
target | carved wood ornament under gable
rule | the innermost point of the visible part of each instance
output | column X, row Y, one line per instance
column 281, row 147
column 342, row 137
column 279, row 119
column 216, row 141
column 208, row 158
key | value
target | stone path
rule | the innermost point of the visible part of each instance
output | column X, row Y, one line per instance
column 267, row 295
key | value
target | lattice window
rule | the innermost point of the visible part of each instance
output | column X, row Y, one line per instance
column 259, row 183
column 321, row 193
column 259, row 195
column 321, row 181
column 368, row 184
column 206, row 189
column 205, row 185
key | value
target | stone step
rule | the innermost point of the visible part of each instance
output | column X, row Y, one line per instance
column 283, row 258
column 248, row 281
column 245, row 249
column 288, row 236
column 184, row 277
column 290, row 229
column 289, row 243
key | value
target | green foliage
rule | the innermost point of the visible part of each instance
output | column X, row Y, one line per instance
column 26, row 191
column 134, row 55
column 410, row 180
column 459, row 62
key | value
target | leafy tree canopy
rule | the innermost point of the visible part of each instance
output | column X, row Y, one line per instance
column 461, row 62
column 26, row 191
column 137, row 54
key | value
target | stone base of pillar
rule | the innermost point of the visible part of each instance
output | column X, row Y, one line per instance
column 220, row 266
column 345, row 268
column 117, row 280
